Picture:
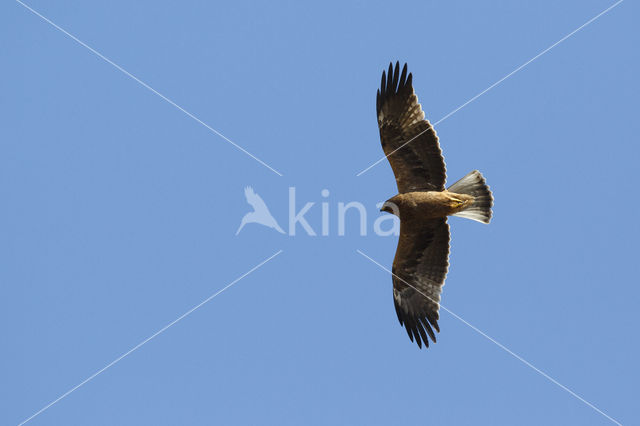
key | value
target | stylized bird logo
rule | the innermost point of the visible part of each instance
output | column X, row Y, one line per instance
column 260, row 213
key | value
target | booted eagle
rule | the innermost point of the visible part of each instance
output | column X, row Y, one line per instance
column 422, row 204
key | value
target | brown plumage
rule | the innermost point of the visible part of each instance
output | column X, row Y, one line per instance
column 422, row 204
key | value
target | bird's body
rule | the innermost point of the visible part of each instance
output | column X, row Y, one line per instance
column 422, row 204
column 430, row 204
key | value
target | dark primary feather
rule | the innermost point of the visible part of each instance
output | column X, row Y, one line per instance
column 419, row 271
column 418, row 164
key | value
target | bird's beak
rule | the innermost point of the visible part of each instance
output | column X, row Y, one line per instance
column 390, row 207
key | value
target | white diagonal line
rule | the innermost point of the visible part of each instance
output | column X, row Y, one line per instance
column 497, row 82
column 145, row 85
column 136, row 347
column 500, row 345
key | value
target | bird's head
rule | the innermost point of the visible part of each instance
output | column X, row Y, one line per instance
column 391, row 206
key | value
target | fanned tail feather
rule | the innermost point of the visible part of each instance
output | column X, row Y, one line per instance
column 475, row 185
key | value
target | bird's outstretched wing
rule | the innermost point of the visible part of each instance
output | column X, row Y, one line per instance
column 419, row 270
column 255, row 200
column 408, row 140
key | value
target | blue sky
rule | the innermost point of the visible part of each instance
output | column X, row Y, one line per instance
column 119, row 213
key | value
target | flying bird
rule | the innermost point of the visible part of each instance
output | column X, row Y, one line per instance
column 422, row 204
column 260, row 213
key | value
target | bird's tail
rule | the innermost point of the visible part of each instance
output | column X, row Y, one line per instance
column 474, row 184
column 244, row 222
